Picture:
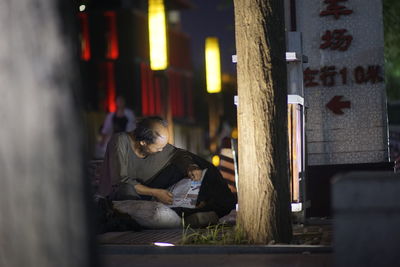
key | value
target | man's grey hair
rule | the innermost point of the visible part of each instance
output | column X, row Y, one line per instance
column 144, row 130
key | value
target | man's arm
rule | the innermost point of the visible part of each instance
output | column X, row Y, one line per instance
column 161, row 195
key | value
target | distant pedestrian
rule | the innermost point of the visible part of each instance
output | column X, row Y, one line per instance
column 122, row 120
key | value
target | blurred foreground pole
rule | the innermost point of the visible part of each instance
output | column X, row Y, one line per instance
column 43, row 221
column 264, row 199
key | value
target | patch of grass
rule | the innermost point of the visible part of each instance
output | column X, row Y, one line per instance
column 219, row 234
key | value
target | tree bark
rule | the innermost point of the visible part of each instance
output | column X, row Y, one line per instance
column 264, row 199
column 43, row 216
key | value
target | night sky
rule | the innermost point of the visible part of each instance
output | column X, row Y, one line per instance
column 211, row 18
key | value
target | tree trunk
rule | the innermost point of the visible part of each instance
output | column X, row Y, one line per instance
column 264, row 200
column 43, row 216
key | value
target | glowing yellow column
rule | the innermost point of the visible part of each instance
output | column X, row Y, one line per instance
column 213, row 65
column 157, row 35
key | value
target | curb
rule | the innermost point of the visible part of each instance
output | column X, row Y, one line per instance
column 272, row 249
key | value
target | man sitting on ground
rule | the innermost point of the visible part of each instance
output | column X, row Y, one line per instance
column 142, row 165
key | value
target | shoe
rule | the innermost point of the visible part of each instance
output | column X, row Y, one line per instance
column 110, row 220
column 201, row 219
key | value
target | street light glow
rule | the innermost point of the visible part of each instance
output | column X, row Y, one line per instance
column 82, row 8
column 216, row 160
column 157, row 35
column 213, row 65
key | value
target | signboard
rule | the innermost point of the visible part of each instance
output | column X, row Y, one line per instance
column 346, row 120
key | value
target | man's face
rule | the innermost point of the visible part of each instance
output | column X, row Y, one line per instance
column 157, row 146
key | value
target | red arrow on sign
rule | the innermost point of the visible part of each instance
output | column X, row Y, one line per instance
column 336, row 106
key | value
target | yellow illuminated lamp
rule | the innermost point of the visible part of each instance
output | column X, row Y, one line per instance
column 157, row 35
column 235, row 133
column 215, row 160
column 213, row 65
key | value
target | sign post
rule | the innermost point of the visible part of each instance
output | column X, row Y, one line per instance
column 346, row 120
column 346, row 117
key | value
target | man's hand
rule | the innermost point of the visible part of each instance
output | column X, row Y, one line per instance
column 194, row 172
column 164, row 196
column 161, row 195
